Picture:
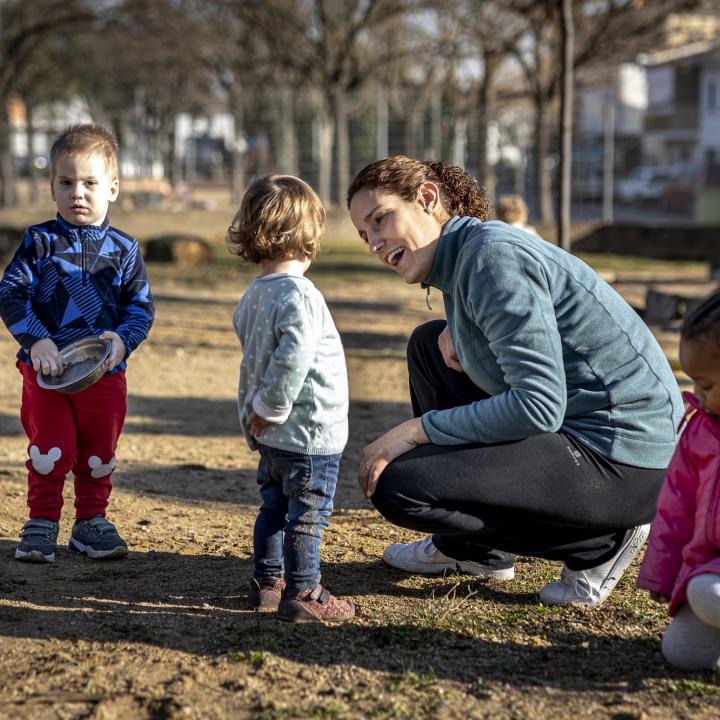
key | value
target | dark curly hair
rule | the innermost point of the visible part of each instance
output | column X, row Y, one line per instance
column 460, row 193
column 704, row 321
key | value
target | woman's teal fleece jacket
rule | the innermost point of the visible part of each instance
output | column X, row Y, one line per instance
column 553, row 344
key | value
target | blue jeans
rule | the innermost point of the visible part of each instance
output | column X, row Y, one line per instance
column 297, row 498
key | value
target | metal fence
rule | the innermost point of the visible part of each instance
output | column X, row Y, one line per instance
column 613, row 175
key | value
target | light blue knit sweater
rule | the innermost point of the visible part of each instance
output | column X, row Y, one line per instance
column 553, row 344
column 293, row 369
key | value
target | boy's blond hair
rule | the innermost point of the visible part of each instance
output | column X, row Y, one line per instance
column 511, row 209
column 279, row 216
column 87, row 139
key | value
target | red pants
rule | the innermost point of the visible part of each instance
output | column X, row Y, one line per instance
column 77, row 433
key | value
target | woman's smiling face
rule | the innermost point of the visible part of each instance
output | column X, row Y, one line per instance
column 402, row 235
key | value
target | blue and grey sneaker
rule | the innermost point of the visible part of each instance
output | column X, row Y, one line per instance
column 38, row 541
column 97, row 538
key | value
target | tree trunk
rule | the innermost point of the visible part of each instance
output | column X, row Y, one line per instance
column 486, row 111
column 410, row 133
column 382, row 123
column 459, row 143
column 434, row 152
column 290, row 161
column 608, row 158
column 8, row 191
column 238, row 150
column 542, row 153
column 325, row 148
column 343, row 144
column 33, row 178
column 171, row 162
column 566, row 115
column 139, row 130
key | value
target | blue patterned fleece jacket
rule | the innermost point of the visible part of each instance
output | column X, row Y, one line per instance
column 66, row 282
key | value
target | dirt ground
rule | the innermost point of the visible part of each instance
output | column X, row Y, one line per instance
column 167, row 633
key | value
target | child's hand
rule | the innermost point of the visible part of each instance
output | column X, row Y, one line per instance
column 447, row 350
column 117, row 351
column 660, row 598
column 46, row 357
column 257, row 424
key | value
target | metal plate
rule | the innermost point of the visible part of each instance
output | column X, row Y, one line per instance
column 83, row 361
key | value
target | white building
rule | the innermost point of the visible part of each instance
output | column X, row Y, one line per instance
column 683, row 118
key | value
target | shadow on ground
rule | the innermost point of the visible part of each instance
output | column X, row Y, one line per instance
column 195, row 604
column 374, row 342
column 200, row 300
column 167, row 415
column 345, row 268
column 207, row 417
column 10, row 425
column 199, row 483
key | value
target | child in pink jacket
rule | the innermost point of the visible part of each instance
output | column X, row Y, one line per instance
column 682, row 562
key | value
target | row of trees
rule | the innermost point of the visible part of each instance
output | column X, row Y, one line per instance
column 134, row 62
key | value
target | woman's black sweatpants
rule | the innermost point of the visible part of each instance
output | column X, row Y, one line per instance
column 548, row 496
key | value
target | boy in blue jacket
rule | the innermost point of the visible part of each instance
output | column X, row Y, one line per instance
column 72, row 277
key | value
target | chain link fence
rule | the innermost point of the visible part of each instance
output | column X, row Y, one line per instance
column 650, row 175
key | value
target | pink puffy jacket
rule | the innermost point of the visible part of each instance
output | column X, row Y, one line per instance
column 685, row 535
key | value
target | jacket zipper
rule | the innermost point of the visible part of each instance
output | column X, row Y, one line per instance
column 82, row 246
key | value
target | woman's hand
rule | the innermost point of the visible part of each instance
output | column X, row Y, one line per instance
column 46, row 357
column 447, row 350
column 379, row 454
column 117, row 349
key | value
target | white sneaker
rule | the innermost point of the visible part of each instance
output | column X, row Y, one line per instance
column 423, row 557
column 592, row 586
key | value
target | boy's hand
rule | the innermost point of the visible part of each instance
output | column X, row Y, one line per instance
column 660, row 598
column 46, row 357
column 117, row 351
column 257, row 424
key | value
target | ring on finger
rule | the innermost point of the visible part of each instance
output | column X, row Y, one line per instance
column 368, row 466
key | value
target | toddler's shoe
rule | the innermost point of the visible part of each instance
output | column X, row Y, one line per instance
column 315, row 605
column 98, row 539
column 38, row 541
column 265, row 594
column 592, row 586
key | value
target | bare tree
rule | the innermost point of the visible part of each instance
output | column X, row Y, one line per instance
column 47, row 77
column 321, row 45
column 242, row 62
column 567, row 51
column 488, row 31
column 24, row 31
column 163, row 46
column 607, row 31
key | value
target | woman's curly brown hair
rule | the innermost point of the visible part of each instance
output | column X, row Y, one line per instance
column 460, row 193
column 279, row 216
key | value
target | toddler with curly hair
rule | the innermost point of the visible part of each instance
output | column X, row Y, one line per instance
column 293, row 396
